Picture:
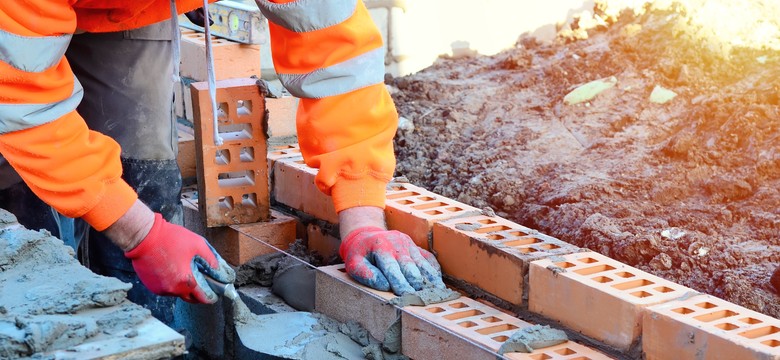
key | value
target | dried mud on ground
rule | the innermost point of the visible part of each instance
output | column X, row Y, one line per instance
column 686, row 190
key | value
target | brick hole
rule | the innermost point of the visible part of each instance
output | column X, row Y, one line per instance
column 217, row 41
column 396, row 188
column 300, row 162
column 750, row 320
column 283, row 147
column 247, row 154
column 463, row 314
column 764, row 331
column 722, row 314
column 663, row 289
column 458, row 305
column 500, row 338
column 343, row 270
column 467, row 324
column 602, row 279
column 495, row 237
column 595, row 269
column 524, row 241
column 727, row 326
column 405, row 202
column 549, row 246
column 625, row 274
column 403, row 195
column 588, row 260
column 489, row 229
column 706, row 305
column 518, row 233
column 565, row 351
column 633, row 284
column 453, row 209
column 429, row 205
column 435, row 310
column 244, row 107
column 683, row 310
column 433, row 212
column 641, row 294
column 540, row 357
column 426, row 198
column 497, row 328
column 226, row 202
column 564, row 265
column 771, row 343
column 486, row 221
column 236, row 179
column 249, row 200
column 527, row 250
column 242, row 131
column 222, row 157
column 222, row 112
column 491, row 319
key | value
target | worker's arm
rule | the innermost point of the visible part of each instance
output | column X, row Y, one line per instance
column 73, row 169
column 330, row 55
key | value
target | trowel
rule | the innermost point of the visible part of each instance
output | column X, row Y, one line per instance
column 287, row 335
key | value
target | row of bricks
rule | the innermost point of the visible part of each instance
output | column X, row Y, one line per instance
column 590, row 293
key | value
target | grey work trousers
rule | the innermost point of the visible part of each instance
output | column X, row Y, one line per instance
column 128, row 95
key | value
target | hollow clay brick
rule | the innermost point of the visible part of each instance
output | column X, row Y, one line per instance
column 186, row 157
column 295, row 187
column 413, row 210
column 231, row 59
column 343, row 299
column 465, row 246
column 569, row 350
column 706, row 327
column 281, row 116
column 597, row 296
column 232, row 177
column 321, row 242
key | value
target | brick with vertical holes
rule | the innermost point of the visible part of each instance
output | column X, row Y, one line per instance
column 281, row 116
column 567, row 351
column 413, row 210
column 464, row 245
column 233, row 177
column 706, row 327
column 278, row 152
column 597, row 296
column 231, row 59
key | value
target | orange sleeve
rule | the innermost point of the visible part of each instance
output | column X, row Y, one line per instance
column 347, row 135
column 75, row 170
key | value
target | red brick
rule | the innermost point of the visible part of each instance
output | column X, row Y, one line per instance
column 413, row 210
column 231, row 59
column 321, row 242
column 597, row 296
column 567, row 351
column 233, row 177
column 186, row 157
column 465, row 245
column 294, row 186
column 706, row 327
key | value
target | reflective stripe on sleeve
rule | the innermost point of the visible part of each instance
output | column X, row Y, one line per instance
column 361, row 71
column 15, row 117
column 308, row 15
column 32, row 54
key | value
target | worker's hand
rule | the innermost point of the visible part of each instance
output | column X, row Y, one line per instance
column 171, row 260
column 385, row 260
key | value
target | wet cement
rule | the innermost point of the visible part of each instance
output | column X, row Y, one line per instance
column 47, row 297
column 535, row 337
column 425, row 297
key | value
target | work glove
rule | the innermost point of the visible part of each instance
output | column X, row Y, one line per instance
column 198, row 17
column 385, row 260
column 171, row 260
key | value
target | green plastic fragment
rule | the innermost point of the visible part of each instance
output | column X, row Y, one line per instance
column 589, row 91
column 660, row 95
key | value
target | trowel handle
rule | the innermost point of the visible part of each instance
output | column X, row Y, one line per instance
column 222, row 289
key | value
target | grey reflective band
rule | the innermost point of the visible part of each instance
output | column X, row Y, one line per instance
column 356, row 73
column 24, row 116
column 307, row 15
column 32, row 54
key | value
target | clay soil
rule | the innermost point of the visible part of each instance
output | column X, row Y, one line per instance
column 686, row 190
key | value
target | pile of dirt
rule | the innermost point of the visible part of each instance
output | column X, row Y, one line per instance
column 686, row 190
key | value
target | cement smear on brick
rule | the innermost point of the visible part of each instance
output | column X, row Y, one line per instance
column 425, row 297
column 49, row 301
column 535, row 337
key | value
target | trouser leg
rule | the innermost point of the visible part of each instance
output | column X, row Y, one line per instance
column 128, row 95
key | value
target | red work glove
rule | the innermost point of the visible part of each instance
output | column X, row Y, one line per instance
column 384, row 260
column 171, row 260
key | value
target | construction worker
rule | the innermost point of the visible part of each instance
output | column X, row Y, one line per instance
column 328, row 54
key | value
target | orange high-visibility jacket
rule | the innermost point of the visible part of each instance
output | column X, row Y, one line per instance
column 329, row 54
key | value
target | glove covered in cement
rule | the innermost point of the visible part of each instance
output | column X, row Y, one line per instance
column 172, row 260
column 385, row 260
